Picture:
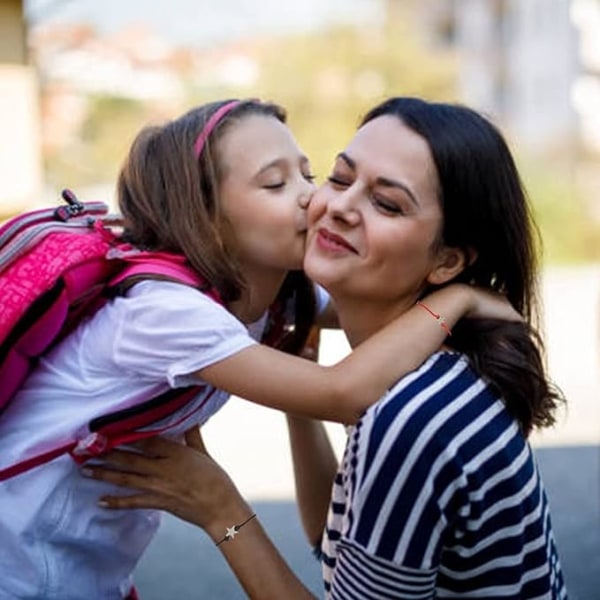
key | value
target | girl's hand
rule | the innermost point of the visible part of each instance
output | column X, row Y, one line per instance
column 181, row 479
column 488, row 304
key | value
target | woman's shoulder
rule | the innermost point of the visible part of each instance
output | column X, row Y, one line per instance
column 437, row 372
column 444, row 392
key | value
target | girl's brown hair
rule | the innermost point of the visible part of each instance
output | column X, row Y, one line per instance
column 169, row 198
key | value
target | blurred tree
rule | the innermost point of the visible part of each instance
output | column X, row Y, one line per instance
column 327, row 80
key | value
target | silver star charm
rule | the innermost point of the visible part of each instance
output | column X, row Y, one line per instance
column 231, row 532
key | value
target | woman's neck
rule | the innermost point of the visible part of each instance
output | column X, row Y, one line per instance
column 361, row 319
column 261, row 290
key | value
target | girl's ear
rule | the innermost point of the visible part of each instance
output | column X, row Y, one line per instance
column 451, row 262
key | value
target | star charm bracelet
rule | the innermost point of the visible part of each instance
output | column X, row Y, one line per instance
column 231, row 532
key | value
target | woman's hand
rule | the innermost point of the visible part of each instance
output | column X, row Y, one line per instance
column 179, row 478
column 184, row 480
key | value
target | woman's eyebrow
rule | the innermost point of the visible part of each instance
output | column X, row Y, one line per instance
column 384, row 181
column 347, row 160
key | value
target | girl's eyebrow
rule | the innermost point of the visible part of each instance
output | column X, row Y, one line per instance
column 278, row 162
column 384, row 181
column 281, row 162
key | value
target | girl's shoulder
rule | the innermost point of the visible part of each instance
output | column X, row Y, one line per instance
column 157, row 311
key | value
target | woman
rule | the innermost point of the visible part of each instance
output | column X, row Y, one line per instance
column 224, row 186
column 438, row 493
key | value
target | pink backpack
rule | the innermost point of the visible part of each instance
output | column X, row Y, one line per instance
column 57, row 265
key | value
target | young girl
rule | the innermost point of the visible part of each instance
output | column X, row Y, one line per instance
column 438, row 494
column 225, row 186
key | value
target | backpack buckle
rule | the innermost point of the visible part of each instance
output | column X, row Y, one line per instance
column 91, row 445
column 64, row 213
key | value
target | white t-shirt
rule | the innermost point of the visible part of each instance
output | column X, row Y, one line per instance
column 55, row 542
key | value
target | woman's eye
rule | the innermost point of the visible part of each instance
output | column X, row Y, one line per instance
column 309, row 177
column 387, row 206
column 274, row 186
column 338, row 181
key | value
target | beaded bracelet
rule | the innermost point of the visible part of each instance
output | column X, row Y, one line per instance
column 437, row 317
column 231, row 532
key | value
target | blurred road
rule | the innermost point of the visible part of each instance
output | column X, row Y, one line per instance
column 251, row 443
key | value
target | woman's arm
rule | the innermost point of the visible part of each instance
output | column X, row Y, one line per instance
column 187, row 482
column 343, row 391
column 314, row 460
column 315, row 465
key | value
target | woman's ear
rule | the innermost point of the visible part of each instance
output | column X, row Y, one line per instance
column 451, row 262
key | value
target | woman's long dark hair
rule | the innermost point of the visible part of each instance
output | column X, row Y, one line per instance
column 485, row 209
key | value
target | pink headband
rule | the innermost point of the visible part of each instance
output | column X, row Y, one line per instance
column 211, row 124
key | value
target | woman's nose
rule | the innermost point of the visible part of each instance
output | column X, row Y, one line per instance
column 345, row 205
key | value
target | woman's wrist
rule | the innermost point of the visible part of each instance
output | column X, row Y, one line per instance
column 230, row 519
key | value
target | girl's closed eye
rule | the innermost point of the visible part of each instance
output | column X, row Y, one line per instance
column 276, row 185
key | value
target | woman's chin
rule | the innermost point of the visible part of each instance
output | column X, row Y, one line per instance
column 322, row 277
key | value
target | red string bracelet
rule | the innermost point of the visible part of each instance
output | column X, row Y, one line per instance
column 437, row 317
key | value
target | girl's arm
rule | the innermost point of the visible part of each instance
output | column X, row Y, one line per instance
column 343, row 391
column 187, row 482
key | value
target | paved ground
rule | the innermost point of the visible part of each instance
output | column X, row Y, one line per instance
column 251, row 443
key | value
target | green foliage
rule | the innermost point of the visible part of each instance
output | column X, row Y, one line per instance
column 569, row 233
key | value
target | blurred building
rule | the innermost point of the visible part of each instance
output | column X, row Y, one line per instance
column 20, row 155
column 534, row 65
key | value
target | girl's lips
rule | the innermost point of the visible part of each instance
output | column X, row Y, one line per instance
column 331, row 241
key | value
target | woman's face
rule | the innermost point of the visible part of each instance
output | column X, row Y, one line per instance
column 373, row 223
column 266, row 179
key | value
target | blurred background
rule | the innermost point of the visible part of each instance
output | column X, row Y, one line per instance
column 78, row 79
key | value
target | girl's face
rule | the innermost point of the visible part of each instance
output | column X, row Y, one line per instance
column 373, row 223
column 266, row 180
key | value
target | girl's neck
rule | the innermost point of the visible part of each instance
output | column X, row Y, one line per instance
column 261, row 291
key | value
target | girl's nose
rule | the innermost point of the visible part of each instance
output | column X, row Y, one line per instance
column 304, row 200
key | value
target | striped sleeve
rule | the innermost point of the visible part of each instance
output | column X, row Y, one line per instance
column 360, row 576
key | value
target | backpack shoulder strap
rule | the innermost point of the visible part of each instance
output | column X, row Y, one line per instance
column 170, row 265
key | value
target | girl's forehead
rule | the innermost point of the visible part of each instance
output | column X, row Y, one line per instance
column 256, row 140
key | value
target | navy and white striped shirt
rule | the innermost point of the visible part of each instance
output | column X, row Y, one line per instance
column 438, row 495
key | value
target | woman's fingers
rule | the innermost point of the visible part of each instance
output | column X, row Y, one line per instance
column 155, row 446
column 135, row 501
column 128, row 461
column 193, row 439
column 118, row 477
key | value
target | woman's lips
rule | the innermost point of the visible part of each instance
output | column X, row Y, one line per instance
column 331, row 241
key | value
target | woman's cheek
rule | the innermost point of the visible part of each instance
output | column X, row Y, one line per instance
column 317, row 207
